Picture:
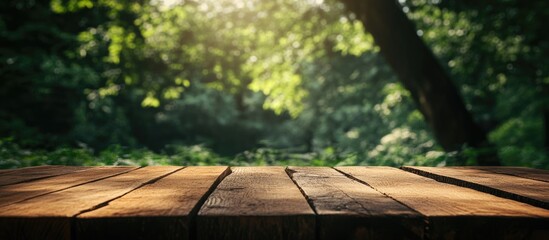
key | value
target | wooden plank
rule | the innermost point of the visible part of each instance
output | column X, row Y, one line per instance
column 22, row 191
column 2, row 171
column 34, row 173
column 520, row 189
column 256, row 203
column 347, row 209
column 456, row 212
column 524, row 172
column 49, row 216
column 161, row 210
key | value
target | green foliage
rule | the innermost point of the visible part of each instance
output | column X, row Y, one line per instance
column 257, row 82
column 496, row 53
column 14, row 157
column 520, row 143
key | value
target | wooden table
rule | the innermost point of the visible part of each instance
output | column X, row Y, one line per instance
column 169, row 202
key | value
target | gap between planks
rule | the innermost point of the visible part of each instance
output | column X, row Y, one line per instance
column 349, row 209
column 523, row 172
column 140, row 186
column 168, row 213
column 194, row 212
column 15, row 193
column 30, row 174
column 227, row 172
column 370, row 186
column 54, row 217
column 507, row 186
column 453, row 210
column 424, row 218
column 289, row 172
column 256, row 203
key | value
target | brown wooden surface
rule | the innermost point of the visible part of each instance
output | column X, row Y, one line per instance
column 3, row 171
column 269, row 203
column 256, row 203
column 348, row 209
column 161, row 210
column 34, row 173
column 531, row 173
column 18, row 192
column 453, row 211
column 52, row 213
column 520, row 189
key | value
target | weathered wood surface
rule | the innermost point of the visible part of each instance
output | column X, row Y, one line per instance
column 256, row 203
column 521, row 189
column 161, row 210
column 52, row 202
column 18, row 192
column 3, row 171
column 535, row 174
column 34, row 173
column 52, row 213
column 348, row 209
column 453, row 211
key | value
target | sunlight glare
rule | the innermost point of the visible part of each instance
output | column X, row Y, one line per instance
column 167, row 3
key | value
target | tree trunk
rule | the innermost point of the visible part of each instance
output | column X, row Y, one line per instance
column 417, row 68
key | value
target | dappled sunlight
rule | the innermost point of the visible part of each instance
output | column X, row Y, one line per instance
column 19, row 192
column 259, row 82
column 439, row 199
column 71, row 201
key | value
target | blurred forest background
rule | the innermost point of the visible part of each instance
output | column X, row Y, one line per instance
column 262, row 82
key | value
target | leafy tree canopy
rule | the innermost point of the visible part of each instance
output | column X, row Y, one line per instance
column 297, row 81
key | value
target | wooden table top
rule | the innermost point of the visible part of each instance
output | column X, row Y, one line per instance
column 218, row 202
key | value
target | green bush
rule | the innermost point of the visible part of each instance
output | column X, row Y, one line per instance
column 391, row 152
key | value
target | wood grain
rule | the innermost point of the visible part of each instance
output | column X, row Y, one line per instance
column 256, row 203
column 2, row 171
column 455, row 212
column 348, row 209
column 19, row 192
column 266, row 203
column 524, row 172
column 5, row 171
column 34, row 173
column 161, row 210
column 49, row 216
column 520, row 189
